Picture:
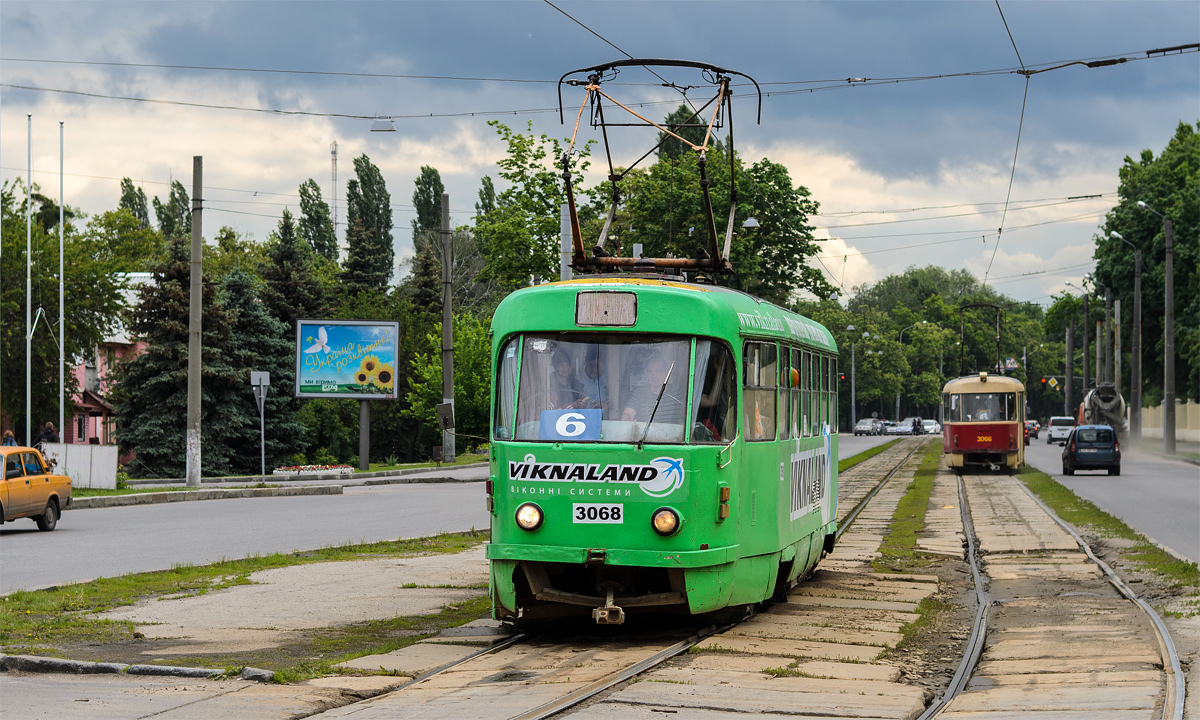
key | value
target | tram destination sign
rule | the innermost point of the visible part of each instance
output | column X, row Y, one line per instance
column 346, row 359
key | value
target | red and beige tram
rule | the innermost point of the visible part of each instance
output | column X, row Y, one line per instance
column 984, row 422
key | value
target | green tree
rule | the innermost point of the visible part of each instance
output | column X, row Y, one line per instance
column 292, row 289
column 94, row 261
column 370, row 254
column 520, row 236
column 427, row 199
column 259, row 342
column 151, row 392
column 174, row 215
column 1167, row 183
column 693, row 129
column 472, row 378
column 316, row 225
column 133, row 199
column 230, row 251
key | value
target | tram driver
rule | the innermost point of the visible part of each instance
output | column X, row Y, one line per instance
column 566, row 391
column 595, row 380
column 641, row 404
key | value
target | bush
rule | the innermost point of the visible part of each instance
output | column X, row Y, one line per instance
column 324, row 457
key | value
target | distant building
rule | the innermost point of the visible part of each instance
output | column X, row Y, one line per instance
column 94, row 420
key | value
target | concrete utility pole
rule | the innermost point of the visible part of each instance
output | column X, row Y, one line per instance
column 364, row 435
column 1108, row 342
column 1086, row 345
column 1169, row 342
column 1116, row 339
column 195, row 345
column 1135, row 369
column 1070, row 368
column 29, row 286
column 62, row 356
column 447, row 329
column 1099, row 353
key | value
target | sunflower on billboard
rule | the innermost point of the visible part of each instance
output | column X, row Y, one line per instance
column 385, row 377
column 370, row 365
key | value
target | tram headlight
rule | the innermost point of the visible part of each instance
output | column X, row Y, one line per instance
column 665, row 521
column 529, row 516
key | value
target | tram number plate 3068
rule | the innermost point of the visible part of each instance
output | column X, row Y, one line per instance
column 598, row 513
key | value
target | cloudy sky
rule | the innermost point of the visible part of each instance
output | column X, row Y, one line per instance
column 911, row 167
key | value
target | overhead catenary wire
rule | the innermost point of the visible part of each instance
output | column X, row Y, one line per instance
column 1016, row 150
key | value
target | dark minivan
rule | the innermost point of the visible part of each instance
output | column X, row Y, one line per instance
column 1092, row 447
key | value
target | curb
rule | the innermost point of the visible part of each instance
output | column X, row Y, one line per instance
column 38, row 663
column 299, row 478
column 85, row 503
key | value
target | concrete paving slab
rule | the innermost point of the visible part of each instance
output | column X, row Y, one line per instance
column 808, row 699
column 771, row 628
column 1032, row 649
column 1055, row 665
column 1066, row 678
column 1047, row 715
column 884, row 620
column 412, row 660
column 1059, row 697
column 803, row 598
column 103, row 697
column 608, row 709
column 864, row 593
column 790, row 648
column 260, row 615
column 815, row 668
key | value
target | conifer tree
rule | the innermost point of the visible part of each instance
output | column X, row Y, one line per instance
column 315, row 226
column 134, row 199
column 370, row 254
column 259, row 342
column 292, row 289
column 151, row 392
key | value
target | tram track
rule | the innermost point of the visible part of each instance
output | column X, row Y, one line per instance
column 510, row 658
column 825, row 651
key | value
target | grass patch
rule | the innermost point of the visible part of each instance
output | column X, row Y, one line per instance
column 51, row 621
column 844, row 465
column 896, row 551
column 464, row 459
column 330, row 646
column 1145, row 555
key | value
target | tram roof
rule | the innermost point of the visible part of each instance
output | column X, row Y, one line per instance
column 664, row 306
column 976, row 383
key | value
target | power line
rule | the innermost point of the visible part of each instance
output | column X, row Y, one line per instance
column 328, row 73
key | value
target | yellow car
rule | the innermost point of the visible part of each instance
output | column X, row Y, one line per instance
column 30, row 490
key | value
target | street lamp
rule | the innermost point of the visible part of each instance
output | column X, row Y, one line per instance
column 1135, row 372
column 923, row 322
column 1168, row 331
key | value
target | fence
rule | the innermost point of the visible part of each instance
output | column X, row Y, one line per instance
column 90, row 466
column 1187, row 421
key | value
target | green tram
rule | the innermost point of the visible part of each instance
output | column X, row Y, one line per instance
column 657, row 446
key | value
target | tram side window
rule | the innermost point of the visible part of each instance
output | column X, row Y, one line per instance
column 820, row 370
column 506, row 389
column 785, row 382
column 806, row 394
column 797, row 393
column 715, row 392
column 833, row 395
column 759, row 363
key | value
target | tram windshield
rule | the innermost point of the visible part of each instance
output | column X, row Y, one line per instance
column 981, row 407
column 619, row 388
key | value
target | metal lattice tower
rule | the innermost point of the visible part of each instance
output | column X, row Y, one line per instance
column 333, row 191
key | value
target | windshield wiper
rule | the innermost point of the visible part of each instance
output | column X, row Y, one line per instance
column 657, row 400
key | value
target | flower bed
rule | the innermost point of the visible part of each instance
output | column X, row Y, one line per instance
column 313, row 470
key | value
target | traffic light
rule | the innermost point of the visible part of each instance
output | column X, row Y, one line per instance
column 841, row 377
column 1044, row 378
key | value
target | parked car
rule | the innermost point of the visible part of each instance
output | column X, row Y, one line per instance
column 1060, row 429
column 1092, row 447
column 29, row 488
column 1031, row 429
column 932, row 427
column 868, row 426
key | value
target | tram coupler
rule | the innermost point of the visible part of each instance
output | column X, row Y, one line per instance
column 608, row 614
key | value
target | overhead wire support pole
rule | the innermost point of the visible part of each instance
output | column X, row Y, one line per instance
column 62, row 358
column 195, row 328
column 29, row 284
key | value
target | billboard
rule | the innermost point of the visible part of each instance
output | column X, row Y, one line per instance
column 346, row 359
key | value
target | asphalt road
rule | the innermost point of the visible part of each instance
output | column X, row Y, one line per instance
column 104, row 542
column 1158, row 497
